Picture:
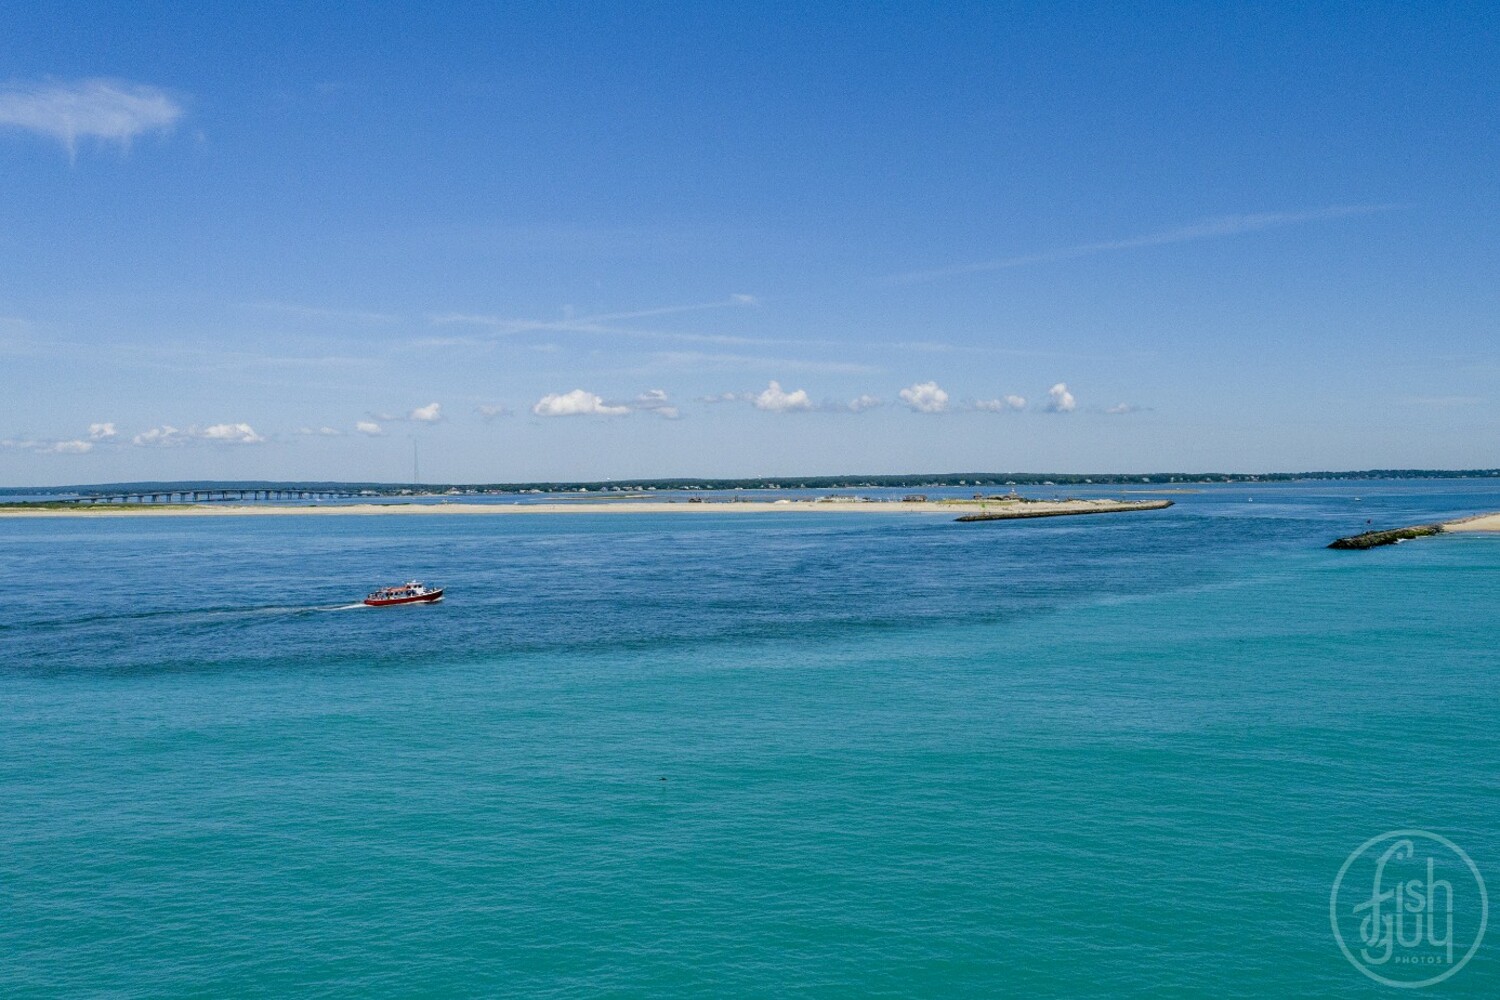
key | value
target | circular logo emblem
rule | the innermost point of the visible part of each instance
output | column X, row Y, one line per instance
column 1409, row 908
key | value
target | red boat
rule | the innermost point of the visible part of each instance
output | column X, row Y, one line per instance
column 411, row 592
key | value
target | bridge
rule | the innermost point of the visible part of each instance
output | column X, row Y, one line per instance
column 212, row 496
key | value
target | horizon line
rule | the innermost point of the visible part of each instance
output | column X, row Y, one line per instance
column 1034, row 478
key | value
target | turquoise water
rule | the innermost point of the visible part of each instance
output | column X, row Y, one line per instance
column 791, row 755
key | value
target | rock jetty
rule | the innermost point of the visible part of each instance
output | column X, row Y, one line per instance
column 1372, row 539
column 1065, row 508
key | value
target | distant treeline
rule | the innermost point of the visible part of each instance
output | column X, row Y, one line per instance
column 847, row 482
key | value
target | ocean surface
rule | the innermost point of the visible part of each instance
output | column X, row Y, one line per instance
column 792, row 755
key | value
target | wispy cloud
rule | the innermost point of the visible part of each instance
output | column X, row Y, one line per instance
column 656, row 401
column 430, row 414
column 701, row 361
column 607, row 324
column 77, row 446
column 100, row 433
column 1001, row 404
column 588, row 326
column 616, row 327
column 731, row 302
column 1217, row 227
column 1441, row 402
column 323, row 312
column 106, row 110
column 369, row 428
column 935, row 347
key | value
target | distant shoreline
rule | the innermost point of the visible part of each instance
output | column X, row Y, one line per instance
column 993, row 509
column 912, row 481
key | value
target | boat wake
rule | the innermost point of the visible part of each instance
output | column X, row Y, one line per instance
column 185, row 616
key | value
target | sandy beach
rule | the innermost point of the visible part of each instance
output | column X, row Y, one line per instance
column 953, row 508
column 1482, row 522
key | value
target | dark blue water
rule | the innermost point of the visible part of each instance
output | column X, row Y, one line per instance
column 807, row 754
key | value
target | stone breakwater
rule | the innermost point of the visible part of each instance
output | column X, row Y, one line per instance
column 1485, row 523
column 1373, row 539
column 1065, row 508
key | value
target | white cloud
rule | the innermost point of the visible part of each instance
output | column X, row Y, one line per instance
column 576, row 403
column 232, row 434
column 107, row 110
column 1121, row 408
column 777, row 400
column 655, row 401
column 925, row 397
column 160, row 437
column 369, row 427
column 55, row 446
column 1060, row 400
column 319, row 432
column 429, row 414
column 167, row 436
column 74, row 447
column 1001, row 405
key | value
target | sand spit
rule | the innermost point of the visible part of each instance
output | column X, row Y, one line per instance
column 990, row 509
column 1479, row 522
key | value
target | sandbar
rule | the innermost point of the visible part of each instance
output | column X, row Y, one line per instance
column 1020, row 508
column 1480, row 522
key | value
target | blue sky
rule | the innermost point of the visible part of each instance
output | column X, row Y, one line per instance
column 679, row 239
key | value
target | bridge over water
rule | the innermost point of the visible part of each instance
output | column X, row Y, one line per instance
column 178, row 496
